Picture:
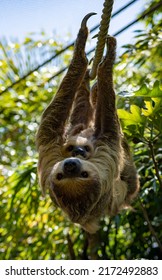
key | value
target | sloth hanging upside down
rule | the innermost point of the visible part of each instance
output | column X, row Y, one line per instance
column 84, row 159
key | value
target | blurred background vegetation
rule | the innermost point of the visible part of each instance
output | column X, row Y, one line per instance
column 31, row 227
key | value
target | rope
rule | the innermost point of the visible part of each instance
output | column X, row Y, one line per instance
column 103, row 30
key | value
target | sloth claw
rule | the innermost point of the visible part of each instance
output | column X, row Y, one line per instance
column 85, row 19
column 111, row 45
column 111, row 42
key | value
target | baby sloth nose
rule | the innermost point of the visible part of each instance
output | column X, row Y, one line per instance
column 72, row 167
column 78, row 151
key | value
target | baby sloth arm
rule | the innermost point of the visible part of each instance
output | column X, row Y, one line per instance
column 82, row 109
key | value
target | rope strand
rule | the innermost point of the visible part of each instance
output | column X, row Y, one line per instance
column 103, row 30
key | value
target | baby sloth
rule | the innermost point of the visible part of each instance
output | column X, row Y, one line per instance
column 84, row 159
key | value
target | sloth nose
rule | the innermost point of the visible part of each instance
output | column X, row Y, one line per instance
column 78, row 151
column 72, row 167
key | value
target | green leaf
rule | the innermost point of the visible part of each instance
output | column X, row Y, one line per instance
column 152, row 107
column 148, row 109
column 156, row 91
column 146, row 92
column 134, row 117
column 136, row 113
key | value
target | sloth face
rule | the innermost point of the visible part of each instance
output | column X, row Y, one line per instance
column 78, row 146
column 75, row 186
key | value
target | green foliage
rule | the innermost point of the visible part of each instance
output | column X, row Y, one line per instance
column 31, row 226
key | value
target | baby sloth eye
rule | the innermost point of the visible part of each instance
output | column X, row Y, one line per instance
column 70, row 148
column 87, row 148
column 59, row 176
column 84, row 174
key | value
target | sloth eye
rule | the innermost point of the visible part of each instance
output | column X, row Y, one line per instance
column 59, row 176
column 84, row 174
column 70, row 148
column 87, row 148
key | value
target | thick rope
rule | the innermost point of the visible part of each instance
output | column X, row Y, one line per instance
column 103, row 31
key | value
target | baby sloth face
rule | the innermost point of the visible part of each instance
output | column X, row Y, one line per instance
column 75, row 186
column 78, row 146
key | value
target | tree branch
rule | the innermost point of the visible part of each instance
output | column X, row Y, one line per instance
column 70, row 246
column 155, row 163
column 149, row 224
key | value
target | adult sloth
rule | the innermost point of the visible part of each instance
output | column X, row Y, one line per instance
column 83, row 158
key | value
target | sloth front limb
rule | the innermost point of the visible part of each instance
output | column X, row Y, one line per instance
column 107, row 123
column 56, row 114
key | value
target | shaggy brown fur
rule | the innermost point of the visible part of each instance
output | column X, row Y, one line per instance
column 83, row 158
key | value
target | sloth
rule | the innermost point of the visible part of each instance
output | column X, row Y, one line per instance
column 84, row 159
